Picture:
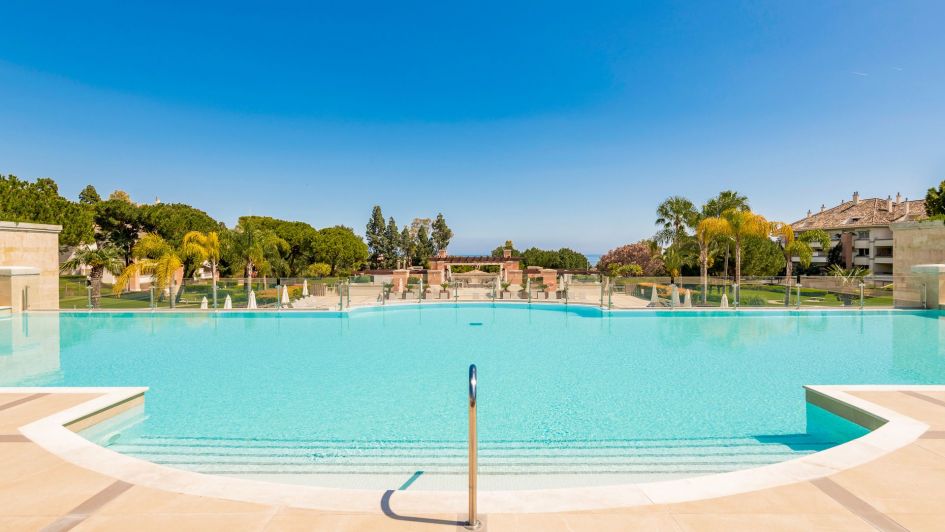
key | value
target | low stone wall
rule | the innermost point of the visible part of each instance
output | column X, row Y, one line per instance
column 29, row 264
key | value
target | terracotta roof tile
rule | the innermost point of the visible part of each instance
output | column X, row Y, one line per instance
column 870, row 212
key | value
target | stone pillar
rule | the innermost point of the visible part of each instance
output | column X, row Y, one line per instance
column 514, row 277
column 549, row 277
column 29, row 255
column 846, row 247
column 399, row 280
column 933, row 277
column 435, row 277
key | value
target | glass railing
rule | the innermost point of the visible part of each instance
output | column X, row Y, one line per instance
column 332, row 293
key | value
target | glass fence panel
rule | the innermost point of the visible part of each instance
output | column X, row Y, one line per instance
column 907, row 291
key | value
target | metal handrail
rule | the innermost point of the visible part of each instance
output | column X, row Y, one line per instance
column 473, row 521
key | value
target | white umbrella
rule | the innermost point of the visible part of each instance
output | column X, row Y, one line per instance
column 285, row 296
column 724, row 301
column 305, row 288
column 688, row 301
column 675, row 296
column 203, row 303
column 228, row 303
column 252, row 299
column 654, row 298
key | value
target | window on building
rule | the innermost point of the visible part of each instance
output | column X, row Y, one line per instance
column 863, row 252
column 862, row 234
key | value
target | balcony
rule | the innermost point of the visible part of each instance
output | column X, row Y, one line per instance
column 861, row 260
column 883, row 260
column 861, row 243
column 884, row 242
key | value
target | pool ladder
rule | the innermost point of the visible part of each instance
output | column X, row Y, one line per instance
column 473, row 520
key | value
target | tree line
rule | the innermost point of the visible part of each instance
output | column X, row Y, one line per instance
column 118, row 235
column 392, row 247
column 722, row 231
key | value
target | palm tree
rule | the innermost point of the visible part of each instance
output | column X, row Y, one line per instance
column 674, row 258
column 674, row 215
column 727, row 199
column 104, row 257
column 708, row 231
column 153, row 256
column 204, row 247
column 794, row 245
column 253, row 249
column 739, row 225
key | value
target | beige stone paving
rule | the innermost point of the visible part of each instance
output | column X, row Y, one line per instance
column 906, row 489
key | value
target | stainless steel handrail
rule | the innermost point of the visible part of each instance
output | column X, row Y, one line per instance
column 473, row 522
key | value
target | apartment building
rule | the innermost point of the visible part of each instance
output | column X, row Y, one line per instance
column 861, row 228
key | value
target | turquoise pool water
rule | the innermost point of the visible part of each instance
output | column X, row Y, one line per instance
column 381, row 393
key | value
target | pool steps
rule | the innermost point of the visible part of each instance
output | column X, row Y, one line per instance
column 645, row 457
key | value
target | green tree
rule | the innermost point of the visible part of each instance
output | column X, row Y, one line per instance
column 738, row 226
column 89, row 196
column 794, row 245
column 156, row 257
column 708, row 231
column 249, row 249
column 318, row 269
column 375, row 234
column 425, row 247
column 725, row 200
column 174, row 220
column 761, row 256
column 499, row 251
column 40, row 202
column 340, row 248
column 204, row 247
column 391, row 243
column 102, row 258
column 119, row 222
column 301, row 237
column 935, row 200
column 120, row 195
column 407, row 246
column 674, row 216
column 442, row 234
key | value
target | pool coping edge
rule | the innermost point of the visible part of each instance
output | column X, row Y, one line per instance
column 52, row 434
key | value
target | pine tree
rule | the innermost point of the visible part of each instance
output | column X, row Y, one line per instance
column 391, row 244
column 375, row 235
column 442, row 234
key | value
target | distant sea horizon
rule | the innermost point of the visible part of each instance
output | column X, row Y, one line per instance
column 591, row 257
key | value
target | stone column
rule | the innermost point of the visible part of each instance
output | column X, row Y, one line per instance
column 549, row 277
column 399, row 280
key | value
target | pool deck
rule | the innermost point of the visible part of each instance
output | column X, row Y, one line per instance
column 902, row 489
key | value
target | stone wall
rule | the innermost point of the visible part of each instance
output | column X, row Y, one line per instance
column 914, row 243
column 29, row 261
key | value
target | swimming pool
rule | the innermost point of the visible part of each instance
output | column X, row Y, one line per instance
column 567, row 396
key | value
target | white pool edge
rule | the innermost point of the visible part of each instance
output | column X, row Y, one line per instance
column 51, row 434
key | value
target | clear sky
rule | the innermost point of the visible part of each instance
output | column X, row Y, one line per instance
column 550, row 123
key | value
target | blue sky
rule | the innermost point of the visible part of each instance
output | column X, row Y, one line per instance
column 550, row 123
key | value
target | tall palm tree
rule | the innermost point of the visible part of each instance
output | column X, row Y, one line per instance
column 153, row 256
column 708, row 231
column 674, row 215
column 253, row 249
column 104, row 257
column 725, row 200
column 794, row 245
column 739, row 225
column 204, row 247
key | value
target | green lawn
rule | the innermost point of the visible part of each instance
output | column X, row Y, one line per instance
column 773, row 296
